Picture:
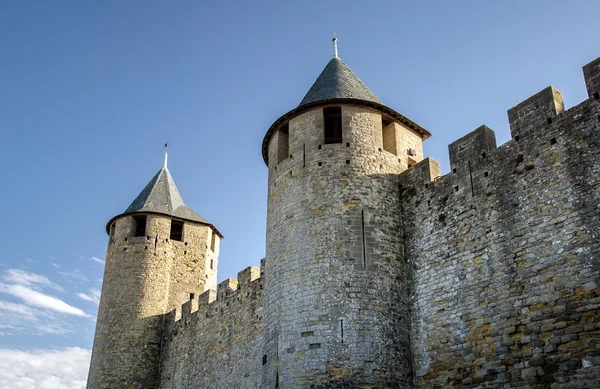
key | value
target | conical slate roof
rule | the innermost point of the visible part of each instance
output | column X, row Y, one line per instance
column 337, row 81
column 161, row 196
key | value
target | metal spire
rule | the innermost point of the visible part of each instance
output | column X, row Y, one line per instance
column 335, row 51
column 166, row 154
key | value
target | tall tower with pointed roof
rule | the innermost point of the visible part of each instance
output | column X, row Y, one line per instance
column 336, row 309
column 160, row 254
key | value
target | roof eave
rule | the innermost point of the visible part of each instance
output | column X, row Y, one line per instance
column 344, row 101
column 164, row 214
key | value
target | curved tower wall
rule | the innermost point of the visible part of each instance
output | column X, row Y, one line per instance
column 144, row 278
column 336, row 308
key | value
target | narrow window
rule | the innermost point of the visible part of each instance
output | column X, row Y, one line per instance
column 364, row 240
column 212, row 240
column 212, row 264
column 140, row 225
column 176, row 230
column 283, row 143
column 332, row 118
column 388, row 135
column 191, row 296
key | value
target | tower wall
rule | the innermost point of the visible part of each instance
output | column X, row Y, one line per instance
column 144, row 277
column 336, row 310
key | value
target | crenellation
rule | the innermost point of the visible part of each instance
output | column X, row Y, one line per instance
column 591, row 73
column 505, row 268
column 379, row 272
column 535, row 112
column 247, row 276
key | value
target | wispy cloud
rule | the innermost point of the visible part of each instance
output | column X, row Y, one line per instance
column 21, row 277
column 36, row 299
column 93, row 296
column 23, row 319
column 65, row 369
column 76, row 276
column 98, row 260
column 13, row 307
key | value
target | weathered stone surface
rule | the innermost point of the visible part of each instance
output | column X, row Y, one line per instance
column 379, row 273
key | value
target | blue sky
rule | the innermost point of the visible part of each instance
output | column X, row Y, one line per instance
column 90, row 92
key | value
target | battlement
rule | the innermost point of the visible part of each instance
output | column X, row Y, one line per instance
column 536, row 124
column 244, row 287
column 591, row 73
column 502, row 249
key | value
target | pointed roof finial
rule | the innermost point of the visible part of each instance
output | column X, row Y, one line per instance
column 335, row 51
column 166, row 154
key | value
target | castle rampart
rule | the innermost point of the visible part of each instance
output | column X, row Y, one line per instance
column 379, row 271
column 216, row 340
column 504, row 252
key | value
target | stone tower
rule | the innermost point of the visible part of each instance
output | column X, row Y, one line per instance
column 336, row 297
column 160, row 254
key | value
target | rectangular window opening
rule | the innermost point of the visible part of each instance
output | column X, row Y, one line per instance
column 191, row 296
column 283, row 147
column 176, row 230
column 140, row 225
column 332, row 118
column 212, row 241
column 553, row 141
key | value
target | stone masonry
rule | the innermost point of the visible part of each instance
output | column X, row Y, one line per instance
column 379, row 272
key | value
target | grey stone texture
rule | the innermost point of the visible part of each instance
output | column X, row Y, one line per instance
column 379, row 272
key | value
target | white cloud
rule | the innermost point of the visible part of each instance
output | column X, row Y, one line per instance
column 98, row 260
column 40, row 300
column 44, row 369
column 18, row 308
column 93, row 296
column 21, row 277
column 73, row 276
column 21, row 319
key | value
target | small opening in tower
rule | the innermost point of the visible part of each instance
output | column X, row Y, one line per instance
column 176, row 230
column 549, row 120
column 191, row 296
column 483, row 155
column 597, row 95
column 212, row 241
column 553, row 141
column 283, row 147
column 212, row 264
column 517, row 138
column 332, row 118
column 140, row 225
column 485, row 174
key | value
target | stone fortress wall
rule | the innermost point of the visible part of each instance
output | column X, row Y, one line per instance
column 505, row 251
column 216, row 339
column 379, row 272
column 503, row 255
